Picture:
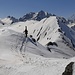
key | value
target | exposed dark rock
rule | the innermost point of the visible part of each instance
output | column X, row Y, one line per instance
column 38, row 38
column 13, row 19
column 35, row 16
column 59, row 30
column 52, row 43
column 31, row 36
column 69, row 69
column 33, row 39
column 61, row 20
column 48, row 49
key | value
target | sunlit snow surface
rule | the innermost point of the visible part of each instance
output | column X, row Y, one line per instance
column 22, row 56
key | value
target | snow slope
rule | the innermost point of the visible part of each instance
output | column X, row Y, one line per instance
column 6, row 20
column 50, row 30
column 45, row 31
column 24, row 56
column 12, row 42
column 32, row 64
column 9, row 20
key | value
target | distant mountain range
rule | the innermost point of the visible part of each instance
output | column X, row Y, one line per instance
column 72, row 18
column 49, row 48
column 38, row 16
column 30, row 16
column 35, row 16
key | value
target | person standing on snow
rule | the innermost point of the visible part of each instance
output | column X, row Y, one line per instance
column 26, row 31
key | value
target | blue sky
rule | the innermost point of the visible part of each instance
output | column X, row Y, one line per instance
column 18, row 8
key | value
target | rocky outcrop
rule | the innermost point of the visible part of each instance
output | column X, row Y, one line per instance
column 35, row 16
column 69, row 69
column 13, row 19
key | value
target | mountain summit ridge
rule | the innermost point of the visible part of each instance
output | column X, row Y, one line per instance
column 48, row 50
column 35, row 16
column 38, row 16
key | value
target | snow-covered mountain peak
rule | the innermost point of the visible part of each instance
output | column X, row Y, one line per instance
column 72, row 17
column 35, row 16
column 48, row 45
column 55, row 35
column 9, row 20
column 6, row 21
column 38, row 16
column 17, row 43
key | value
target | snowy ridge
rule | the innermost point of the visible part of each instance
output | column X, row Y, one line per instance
column 1, row 23
column 49, row 30
column 6, row 21
column 45, row 53
column 17, row 43
column 9, row 20
column 72, row 18
column 38, row 16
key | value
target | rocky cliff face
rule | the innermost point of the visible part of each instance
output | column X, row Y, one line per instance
column 69, row 69
column 35, row 16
